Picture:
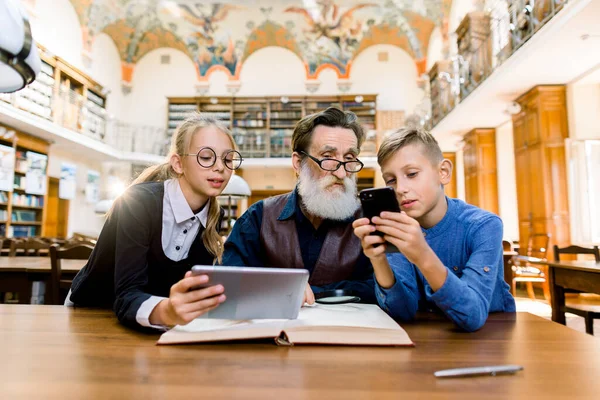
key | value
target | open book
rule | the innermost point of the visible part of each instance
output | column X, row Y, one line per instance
column 341, row 324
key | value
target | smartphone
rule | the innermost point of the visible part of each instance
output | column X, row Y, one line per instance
column 374, row 202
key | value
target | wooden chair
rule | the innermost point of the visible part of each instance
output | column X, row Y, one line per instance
column 537, row 247
column 75, row 242
column 589, row 312
column 30, row 247
column 78, row 252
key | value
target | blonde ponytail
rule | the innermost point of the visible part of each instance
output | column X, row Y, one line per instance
column 210, row 237
column 156, row 173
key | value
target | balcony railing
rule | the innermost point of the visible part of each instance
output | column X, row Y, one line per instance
column 71, row 110
column 512, row 24
column 136, row 138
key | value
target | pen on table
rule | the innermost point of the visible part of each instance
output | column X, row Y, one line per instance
column 492, row 370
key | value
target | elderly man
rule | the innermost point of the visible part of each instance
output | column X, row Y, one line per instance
column 311, row 227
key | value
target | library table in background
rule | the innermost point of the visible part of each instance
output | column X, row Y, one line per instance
column 54, row 352
column 583, row 276
column 18, row 273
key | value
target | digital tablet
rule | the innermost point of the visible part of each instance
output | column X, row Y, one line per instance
column 256, row 293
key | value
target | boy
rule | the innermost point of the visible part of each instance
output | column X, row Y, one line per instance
column 450, row 252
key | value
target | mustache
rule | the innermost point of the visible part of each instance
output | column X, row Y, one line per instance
column 332, row 180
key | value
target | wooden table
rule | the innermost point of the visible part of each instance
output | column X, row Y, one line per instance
column 578, row 275
column 54, row 352
column 18, row 273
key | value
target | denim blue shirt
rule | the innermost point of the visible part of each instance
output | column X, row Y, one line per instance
column 244, row 248
column 468, row 241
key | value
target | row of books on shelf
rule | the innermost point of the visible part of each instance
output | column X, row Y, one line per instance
column 183, row 107
column 20, row 182
column 18, row 231
column 94, row 98
column 3, row 215
column 249, row 123
column 24, row 216
column 27, row 200
column 3, row 197
column 20, row 161
column 28, row 105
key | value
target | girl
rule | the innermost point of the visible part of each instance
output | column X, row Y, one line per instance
column 165, row 223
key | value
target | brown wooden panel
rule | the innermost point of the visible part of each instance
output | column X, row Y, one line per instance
column 532, row 132
column 536, row 185
column 541, row 163
column 481, row 182
column 523, row 194
column 519, row 131
column 451, row 188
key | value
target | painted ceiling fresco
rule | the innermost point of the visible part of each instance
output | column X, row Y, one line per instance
column 220, row 36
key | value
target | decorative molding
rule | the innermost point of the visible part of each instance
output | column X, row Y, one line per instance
column 344, row 85
column 312, row 85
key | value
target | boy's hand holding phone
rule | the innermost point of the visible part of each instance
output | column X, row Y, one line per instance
column 373, row 245
column 405, row 233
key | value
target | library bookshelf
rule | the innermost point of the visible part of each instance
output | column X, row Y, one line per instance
column 23, row 207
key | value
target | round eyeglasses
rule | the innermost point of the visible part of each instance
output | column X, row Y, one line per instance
column 331, row 164
column 207, row 157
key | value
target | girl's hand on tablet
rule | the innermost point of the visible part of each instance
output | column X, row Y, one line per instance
column 186, row 303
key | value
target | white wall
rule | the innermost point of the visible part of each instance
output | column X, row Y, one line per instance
column 106, row 70
column 153, row 82
column 436, row 47
column 395, row 80
column 82, row 217
column 458, row 11
column 218, row 83
column 328, row 78
column 507, row 180
column 272, row 71
column 583, row 102
column 56, row 27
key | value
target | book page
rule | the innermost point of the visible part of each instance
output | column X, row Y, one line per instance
column 346, row 324
column 344, row 315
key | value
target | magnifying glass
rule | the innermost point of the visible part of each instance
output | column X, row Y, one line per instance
column 337, row 296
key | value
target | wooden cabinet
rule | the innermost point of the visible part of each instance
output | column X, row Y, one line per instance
column 540, row 130
column 451, row 189
column 481, row 180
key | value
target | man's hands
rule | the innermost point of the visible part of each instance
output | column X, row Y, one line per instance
column 309, row 296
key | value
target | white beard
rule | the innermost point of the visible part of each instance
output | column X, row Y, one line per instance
column 336, row 204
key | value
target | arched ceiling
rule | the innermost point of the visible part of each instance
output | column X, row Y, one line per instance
column 323, row 33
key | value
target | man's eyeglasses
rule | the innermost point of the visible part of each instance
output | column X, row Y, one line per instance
column 331, row 164
column 207, row 157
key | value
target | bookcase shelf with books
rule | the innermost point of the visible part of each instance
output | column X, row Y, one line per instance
column 263, row 126
column 65, row 95
column 22, row 209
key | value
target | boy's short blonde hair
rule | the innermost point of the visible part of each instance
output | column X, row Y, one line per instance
column 405, row 136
